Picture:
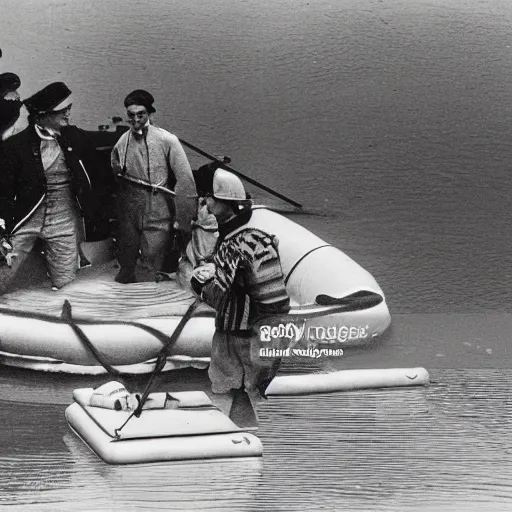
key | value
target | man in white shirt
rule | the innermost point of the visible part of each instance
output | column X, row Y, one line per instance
column 156, row 190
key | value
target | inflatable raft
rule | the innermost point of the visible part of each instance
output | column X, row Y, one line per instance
column 335, row 302
column 195, row 428
column 190, row 432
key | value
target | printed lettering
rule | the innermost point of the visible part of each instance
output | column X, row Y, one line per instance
column 265, row 333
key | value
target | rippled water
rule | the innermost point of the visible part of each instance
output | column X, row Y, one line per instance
column 389, row 450
column 391, row 117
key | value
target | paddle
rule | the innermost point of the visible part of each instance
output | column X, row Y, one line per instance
column 160, row 362
column 240, row 175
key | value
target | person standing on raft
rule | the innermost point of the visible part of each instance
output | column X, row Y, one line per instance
column 244, row 283
column 151, row 167
column 49, row 175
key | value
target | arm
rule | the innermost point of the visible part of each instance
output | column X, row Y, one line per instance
column 215, row 291
column 115, row 161
column 186, row 193
column 262, row 264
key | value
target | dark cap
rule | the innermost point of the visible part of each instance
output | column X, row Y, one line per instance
column 9, row 82
column 140, row 97
column 52, row 97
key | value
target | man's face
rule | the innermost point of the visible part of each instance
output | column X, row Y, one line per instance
column 220, row 209
column 56, row 120
column 137, row 116
column 12, row 95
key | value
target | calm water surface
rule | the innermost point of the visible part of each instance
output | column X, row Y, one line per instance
column 389, row 117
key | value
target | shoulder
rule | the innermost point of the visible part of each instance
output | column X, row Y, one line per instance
column 73, row 131
column 255, row 235
column 163, row 135
column 122, row 140
column 251, row 241
column 18, row 140
column 76, row 135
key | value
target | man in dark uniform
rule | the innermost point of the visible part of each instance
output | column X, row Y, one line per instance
column 48, row 178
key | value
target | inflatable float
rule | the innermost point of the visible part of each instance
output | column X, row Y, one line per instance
column 192, row 427
column 197, row 431
column 334, row 301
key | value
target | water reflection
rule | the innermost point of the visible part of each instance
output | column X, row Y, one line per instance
column 384, row 450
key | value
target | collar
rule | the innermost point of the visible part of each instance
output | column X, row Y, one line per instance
column 143, row 130
column 233, row 224
column 46, row 133
column 9, row 132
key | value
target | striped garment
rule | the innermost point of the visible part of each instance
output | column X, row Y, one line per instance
column 248, row 281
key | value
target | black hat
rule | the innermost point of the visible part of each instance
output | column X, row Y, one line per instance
column 204, row 178
column 140, row 97
column 53, row 97
column 9, row 82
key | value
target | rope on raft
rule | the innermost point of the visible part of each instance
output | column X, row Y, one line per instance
column 67, row 316
column 168, row 342
column 160, row 363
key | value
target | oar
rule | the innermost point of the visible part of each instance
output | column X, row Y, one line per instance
column 160, row 362
column 240, row 175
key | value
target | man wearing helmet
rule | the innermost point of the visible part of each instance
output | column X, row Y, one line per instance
column 152, row 167
column 244, row 283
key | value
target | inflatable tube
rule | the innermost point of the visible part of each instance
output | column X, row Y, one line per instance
column 159, row 434
column 51, row 365
column 126, row 343
column 347, row 380
column 311, row 266
column 204, row 432
column 330, row 293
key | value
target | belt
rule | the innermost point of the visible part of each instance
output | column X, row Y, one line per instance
column 142, row 183
column 59, row 183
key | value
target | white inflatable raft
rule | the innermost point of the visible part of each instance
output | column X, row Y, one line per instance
column 202, row 431
column 125, row 322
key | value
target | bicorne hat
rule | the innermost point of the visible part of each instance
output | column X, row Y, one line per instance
column 52, row 98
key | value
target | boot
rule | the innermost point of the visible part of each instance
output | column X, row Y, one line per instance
column 242, row 412
column 84, row 262
column 125, row 276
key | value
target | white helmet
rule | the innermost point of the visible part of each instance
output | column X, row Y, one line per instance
column 227, row 186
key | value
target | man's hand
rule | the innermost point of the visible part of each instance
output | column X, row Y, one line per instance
column 6, row 252
column 204, row 272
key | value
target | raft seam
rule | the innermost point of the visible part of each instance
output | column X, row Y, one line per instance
column 295, row 265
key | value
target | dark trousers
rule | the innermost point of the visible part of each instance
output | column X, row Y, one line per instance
column 145, row 221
